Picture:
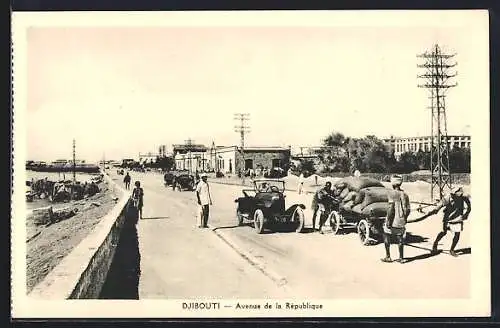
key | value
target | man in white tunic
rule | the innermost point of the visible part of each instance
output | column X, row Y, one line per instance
column 204, row 199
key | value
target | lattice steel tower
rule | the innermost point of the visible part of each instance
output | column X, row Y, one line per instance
column 437, row 80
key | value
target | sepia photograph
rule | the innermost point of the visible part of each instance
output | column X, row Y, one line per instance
column 251, row 164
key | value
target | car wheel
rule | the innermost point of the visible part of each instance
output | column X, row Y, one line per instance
column 298, row 219
column 364, row 232
column 258, row 221
column 334, row 219
column 240, row 217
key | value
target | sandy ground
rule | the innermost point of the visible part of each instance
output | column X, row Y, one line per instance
column 54, row 242
column 178, row 260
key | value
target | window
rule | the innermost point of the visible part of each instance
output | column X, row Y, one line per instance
column 276, row 162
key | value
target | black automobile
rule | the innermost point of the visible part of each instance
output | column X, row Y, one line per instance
column 168, row 178
column 264, row 207
column 184, row 181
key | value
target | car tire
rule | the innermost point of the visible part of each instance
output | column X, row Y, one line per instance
column 334, row 219
column 364, row 232
column 299, row 219
column 258, row 221
column 240, row 217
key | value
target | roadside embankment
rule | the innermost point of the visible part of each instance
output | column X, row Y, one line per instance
column 71, row 258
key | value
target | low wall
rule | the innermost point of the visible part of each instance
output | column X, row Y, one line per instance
column 82, row 273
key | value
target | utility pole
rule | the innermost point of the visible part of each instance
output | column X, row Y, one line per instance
column 74, row 162
column 242, row 129
column 189, row 145
column 436, row 77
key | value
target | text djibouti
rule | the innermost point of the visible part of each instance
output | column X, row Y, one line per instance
column 201, row 306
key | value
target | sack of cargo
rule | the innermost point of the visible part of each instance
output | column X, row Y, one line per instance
column 358, row 208
column 358, row 183
column 348, row 205
column 344, row 193
column 376, row 209
column 360, row 196
column 375, row 195
column 351, row 195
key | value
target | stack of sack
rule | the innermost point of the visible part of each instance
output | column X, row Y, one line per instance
column 362, row 195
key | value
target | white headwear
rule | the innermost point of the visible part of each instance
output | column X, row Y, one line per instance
column 396, row 180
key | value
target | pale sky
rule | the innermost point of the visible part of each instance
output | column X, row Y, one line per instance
column 121, row 91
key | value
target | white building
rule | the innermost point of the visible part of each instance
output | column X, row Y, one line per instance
column 147, row 158
column 414, row 144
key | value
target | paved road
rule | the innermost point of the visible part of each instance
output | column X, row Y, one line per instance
column 179, row 260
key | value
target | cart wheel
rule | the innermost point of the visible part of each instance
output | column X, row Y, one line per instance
column 334, row 219
column 298, row 219
column 240, row 217
column 364, row 232
column 258, row 221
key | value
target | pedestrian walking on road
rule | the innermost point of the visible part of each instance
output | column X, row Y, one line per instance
column 397, row 215
column 204, row 199
column 301, row 183
column 138, row 197
column 453, row 217
column 126, row 180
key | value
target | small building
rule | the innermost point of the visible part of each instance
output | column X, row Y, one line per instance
column 230, row 160
column 190, row 157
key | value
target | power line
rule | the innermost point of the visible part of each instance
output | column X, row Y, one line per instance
column 242, row 129
column 436, row 77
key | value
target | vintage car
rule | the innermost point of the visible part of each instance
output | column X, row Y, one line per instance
column 264, row 207
column 184, row 181
column 168, row 178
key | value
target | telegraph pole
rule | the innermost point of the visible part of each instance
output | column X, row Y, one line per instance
column 242, row 129
column 189, row 144
column 436, row 77
column 74, row 162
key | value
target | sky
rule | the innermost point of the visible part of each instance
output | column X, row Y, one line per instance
column 120, row 91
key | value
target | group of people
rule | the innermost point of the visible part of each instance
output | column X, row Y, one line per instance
column 202, row 194
column 456, row 209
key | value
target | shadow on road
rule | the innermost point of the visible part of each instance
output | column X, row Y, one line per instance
column 122, row 281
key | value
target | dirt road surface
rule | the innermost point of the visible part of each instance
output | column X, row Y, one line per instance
column 179, row 260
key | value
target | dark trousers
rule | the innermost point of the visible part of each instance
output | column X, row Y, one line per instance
column 205, row 211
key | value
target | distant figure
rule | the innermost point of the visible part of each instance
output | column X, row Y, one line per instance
column 301, row 183
column 138, row 197
column 357, row 174
column 453, row 217
column 126, row 180
column 397, row 215
column 204, row 199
